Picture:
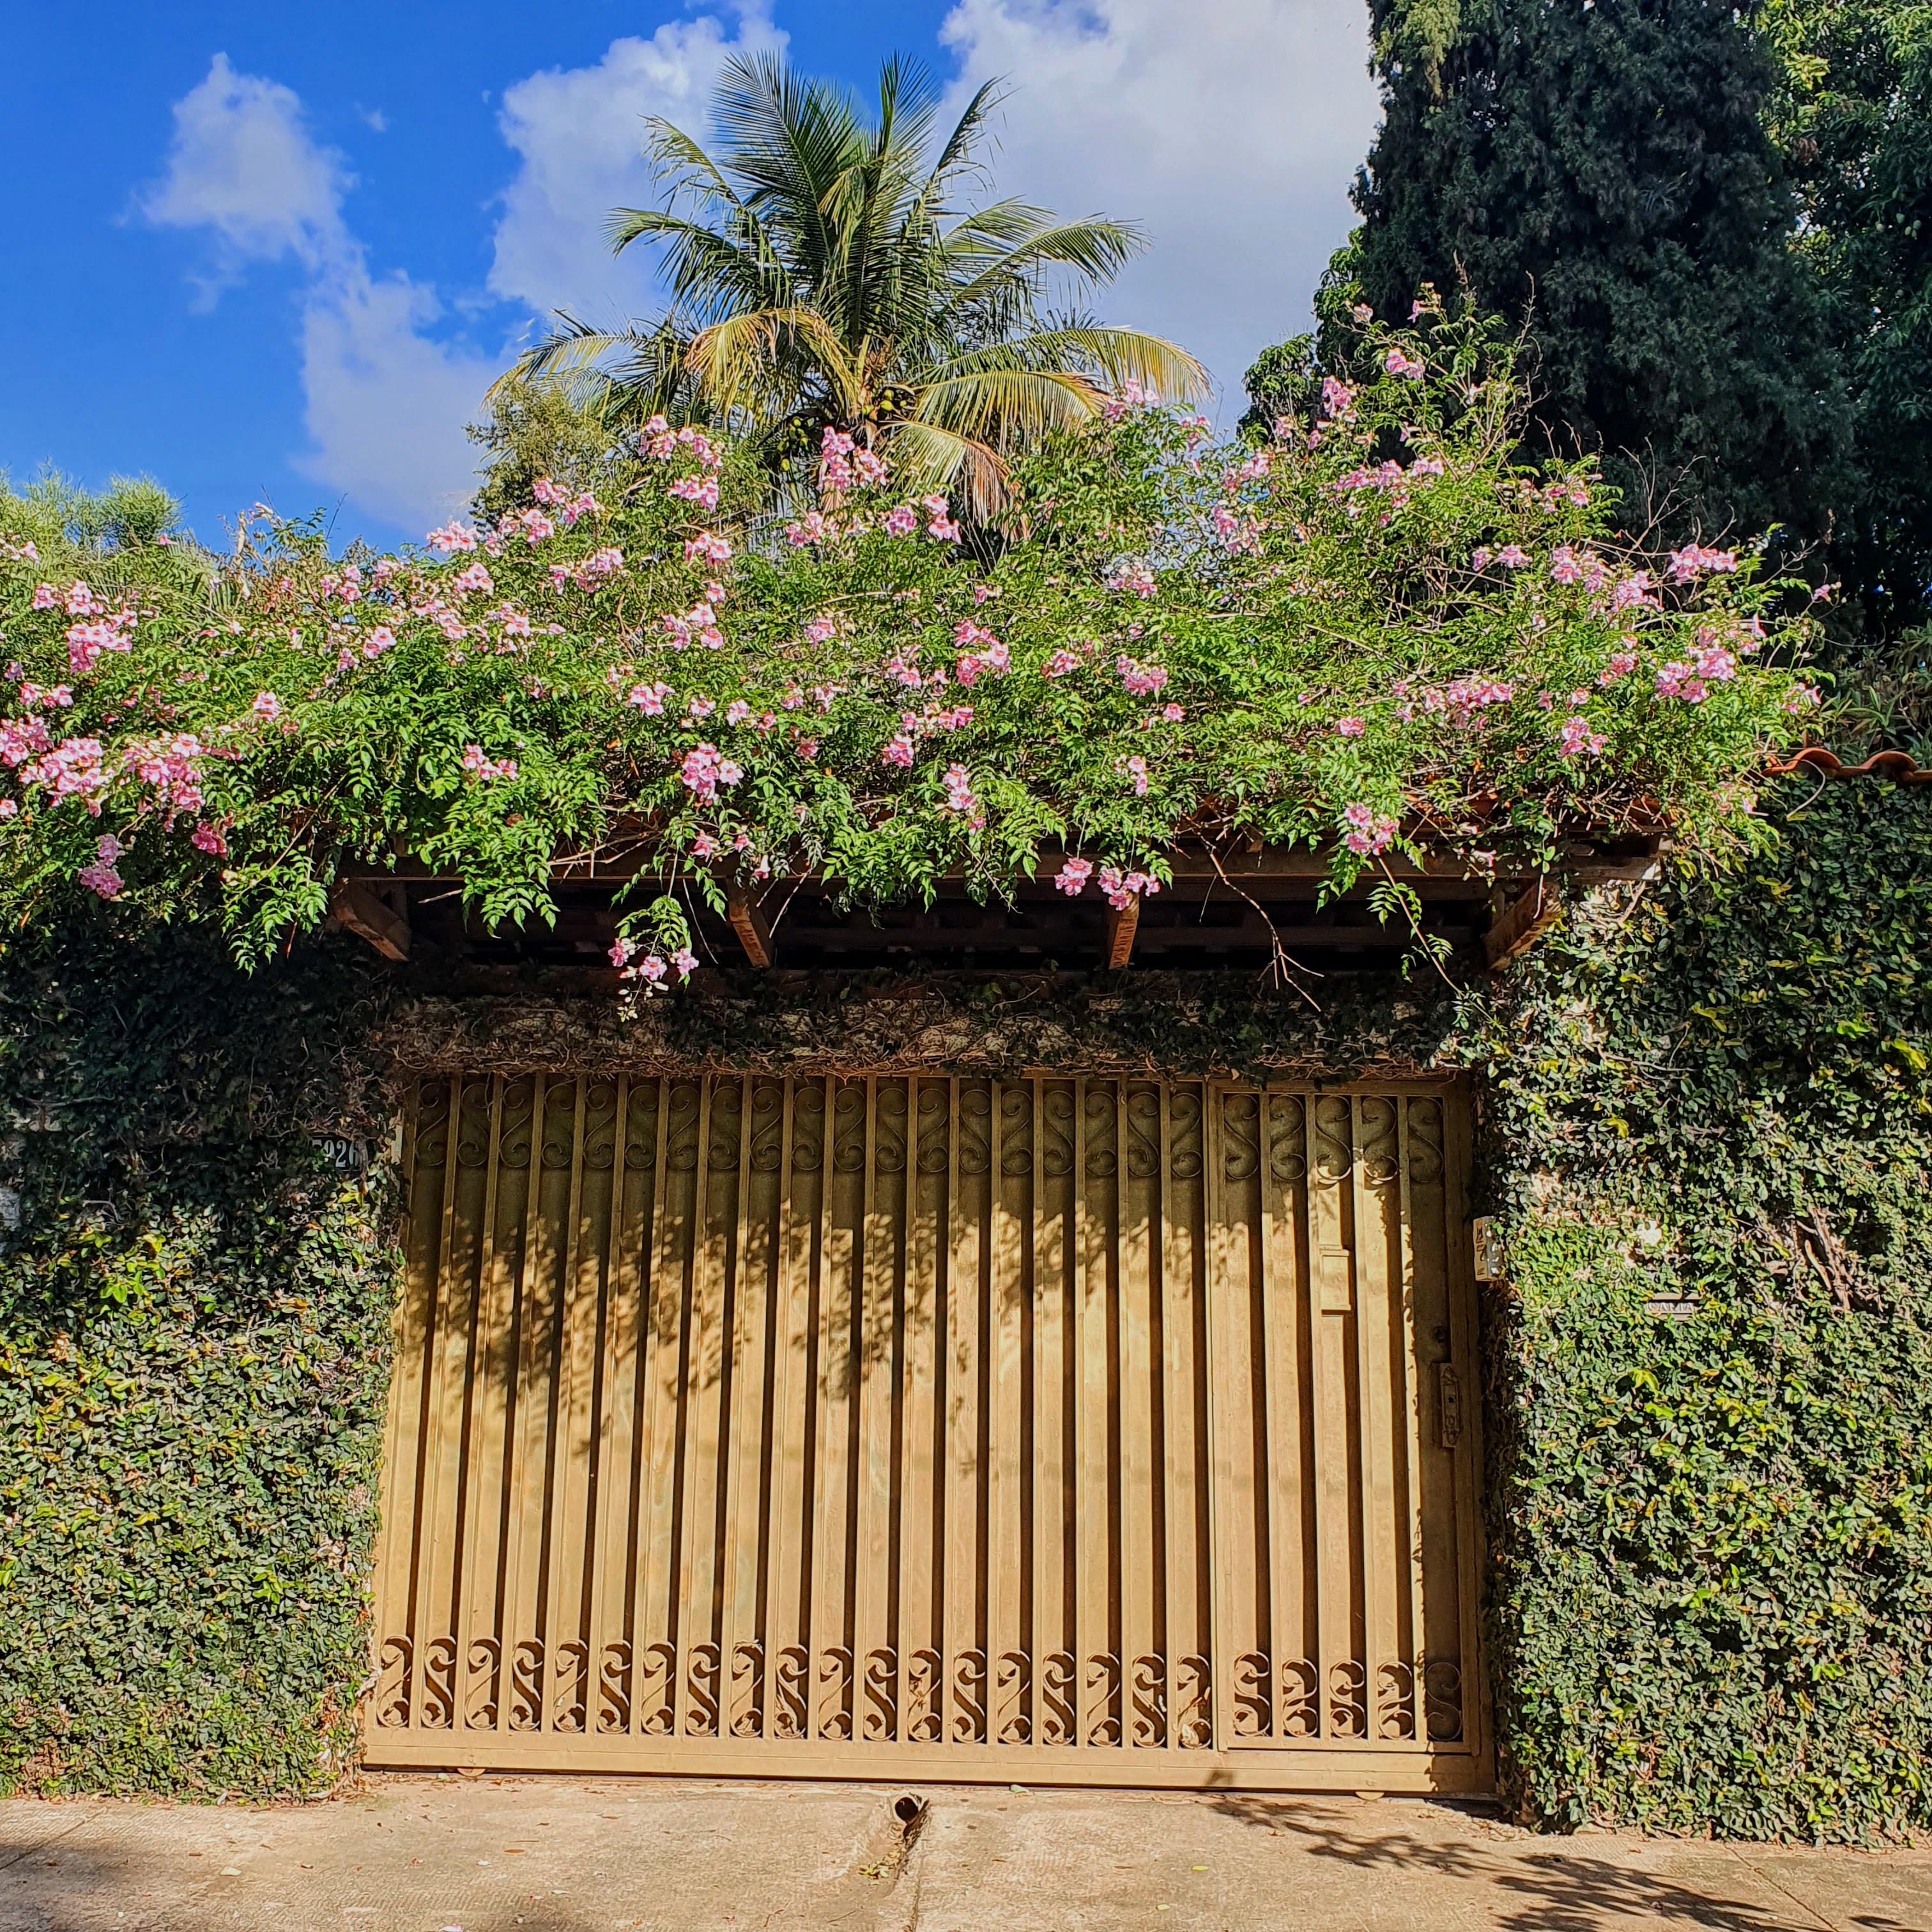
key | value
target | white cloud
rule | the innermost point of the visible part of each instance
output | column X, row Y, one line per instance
column 385, row 404
column 1229, row 129
column 580, row 135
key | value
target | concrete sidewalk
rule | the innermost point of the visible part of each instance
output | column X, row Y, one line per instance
column 424, row 1854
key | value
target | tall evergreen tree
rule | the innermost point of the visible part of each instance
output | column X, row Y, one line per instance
column 1601, row 171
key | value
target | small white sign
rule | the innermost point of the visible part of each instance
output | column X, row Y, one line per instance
column 343, row 1152
column 1488, row 1249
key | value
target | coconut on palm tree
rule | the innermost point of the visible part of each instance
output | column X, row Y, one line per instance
column 825, row 271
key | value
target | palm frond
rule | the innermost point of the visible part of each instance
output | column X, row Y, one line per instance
column 766, row 353
column 930, row 456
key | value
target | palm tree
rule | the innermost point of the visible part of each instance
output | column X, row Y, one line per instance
column 823, row 273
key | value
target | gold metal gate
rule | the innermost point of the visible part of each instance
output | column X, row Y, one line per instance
column 1041, row 1430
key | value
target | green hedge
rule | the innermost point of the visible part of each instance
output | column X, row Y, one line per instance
column 1706, row 1123
column 193, row 1355
column 1712, row 1598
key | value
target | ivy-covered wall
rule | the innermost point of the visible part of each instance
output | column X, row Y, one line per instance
column 1711, row 1590
column 194, row 1362
column 1706, row 1125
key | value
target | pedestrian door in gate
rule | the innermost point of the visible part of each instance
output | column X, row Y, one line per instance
column 1040, row 1429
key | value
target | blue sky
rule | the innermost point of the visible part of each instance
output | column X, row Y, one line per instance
column 261, row 252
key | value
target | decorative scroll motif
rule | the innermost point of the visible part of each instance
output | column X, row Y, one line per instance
column 472, row 1133
column 882, row 1695
column 1056, row 1127
column 1442, row 1691
column 1148, row 1678
column 1380, row 1146
column 656, row 1718
column 479, row 1706
column 513, row 1141
column 1014, row 1725
column 439, row 1683
column 789, row 1680
column 727, row 1119
column 432, row 1137
column 640, row 1127
column 393, row 1674
column 935, row 1108
column 1059, row 1722
column 526, row 1678
column 1184, row 1133
column 570, row 1685
column 1240, row 1136
column 1103, row 1131
column 1253, row 1707
column 969, row 1697
column 767, row 1125
column 975, row 1127
column 1348, row 1700
column 1193, row 1711
column 848, row 1132
column 807, row 1128
column 1334, row 1133
column 1103, row 1698
column 560, row 1125
column 1016, row 1130
column 888, row 1155
column 835, row 1692
column 700, row 1682
column 923, row 1725
column 1395, row 1701
column 681, row 1149
column 600, row 1125
column 1288, row 1137
column 1425, row 1143
column 613, row 1685
column 1143, row 1132
column 747, row 1690
column 1300, row 1698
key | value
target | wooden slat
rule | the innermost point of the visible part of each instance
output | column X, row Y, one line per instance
column 1143, row 1653
column 966, row 1685
column 874, row 1660
column 1382, row 1560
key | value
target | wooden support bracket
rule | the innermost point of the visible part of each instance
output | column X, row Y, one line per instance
column 1520, row 921
column 356, row 906
column 1121, row 929
column 749, row 923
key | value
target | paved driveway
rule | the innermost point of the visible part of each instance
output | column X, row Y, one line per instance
column 424, row 1854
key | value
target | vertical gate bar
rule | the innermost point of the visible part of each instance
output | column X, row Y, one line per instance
column 698, row 1554
column 485, row 1653
column 784, row 1584
column 468, row 1496
column 1090, row 1633
column 1139, row 1628
column 1289, row 1395
column 1230, row 1502
column 570, row 1476
column 872, row 1539
column 745, row 1512
column 528, row 1481
column 919, row 1639
column 1381, row 1525
column 1007, row 1658
column 831, row 1553
column 1183, row 1560
column 654, row 1652
column 1463, row 1293
column 963, row 1577
column 1409, row 1400
column 615, row 1424
column 1052, row 1499
column 1331, row 1294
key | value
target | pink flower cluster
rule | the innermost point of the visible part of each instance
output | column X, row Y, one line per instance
column 706, row 545
column 86, row 641
column 961, row 798
column 1142, row 680
column 484, row 769
column 1576, row 735
column 471, row 579
column 1369, row 831
column 1238, row 534
column 1691, row 562
column 814, row 527
column 1397, row 364
column 1136, row 579
column 705, row 769
column 702, row 490
column 1569, row 565
column 940, row 524
column 1338, row 399
column 1710, row 664
column 649, row 969
column 1122, row 889
column 1134, row 769
column 1060, row 664
column 568, row 507
column 842, row 463
column 452, row 536
column 982, row 653
column 699, row 622
column 1072, row 877
column 658, row 438
column 100, row 877
column 1129, row 396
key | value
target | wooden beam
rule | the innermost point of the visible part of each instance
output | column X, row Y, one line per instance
column 1121, row 929
column 749, row 923
column 1520, row 923
column 355, row 906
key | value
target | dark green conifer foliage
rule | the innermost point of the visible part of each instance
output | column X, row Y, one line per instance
column 1602, row 171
